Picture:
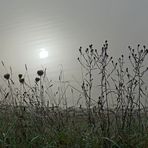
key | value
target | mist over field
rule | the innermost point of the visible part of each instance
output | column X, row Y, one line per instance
column 62, row 27
column 73, row 74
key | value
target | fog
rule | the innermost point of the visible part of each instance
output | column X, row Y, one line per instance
column 60, row 27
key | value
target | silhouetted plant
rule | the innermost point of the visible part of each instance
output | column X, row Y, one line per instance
column 40, row 72
column 86, row 60
column 37, row 79
column 137, row 59
column 22, row 80
column 7, row 76
column 105, row 69
column 20, row 76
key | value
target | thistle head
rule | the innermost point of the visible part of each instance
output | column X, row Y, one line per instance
column 22, row 80
column 7, row 76
column 40, row 72
column 20, row 76
column 37, row 79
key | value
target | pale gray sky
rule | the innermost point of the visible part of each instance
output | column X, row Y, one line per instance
column 61, row 26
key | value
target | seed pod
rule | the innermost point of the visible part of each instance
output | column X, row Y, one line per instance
column 86, row 50
column 80, row 50
column 128, row 75
column 20, row 76
column 92, row 51
column 90, row 46
column 133, row 50
column 22, row 80
column 40, row 72
column 37, row 79
column 106, row 54
column 7, row 76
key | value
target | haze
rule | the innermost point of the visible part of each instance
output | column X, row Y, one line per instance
column 61, row 26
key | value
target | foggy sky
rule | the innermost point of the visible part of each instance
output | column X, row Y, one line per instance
column 61, row 26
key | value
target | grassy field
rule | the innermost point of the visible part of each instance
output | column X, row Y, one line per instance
column 52, row 128
column 37, row 116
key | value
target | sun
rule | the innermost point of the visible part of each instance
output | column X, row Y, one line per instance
column 43, row 53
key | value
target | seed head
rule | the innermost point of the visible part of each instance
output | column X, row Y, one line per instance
column 22, row 80
column 86, row 50
column 20, row 76
column 37, row 79
column 120, row 84
column 80, row 49
column 128, row 75
column 7, row 76
column 40, row 72
column 90, row 46
column 92, row 51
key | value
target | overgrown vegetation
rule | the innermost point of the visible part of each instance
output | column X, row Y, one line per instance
column 113, row 112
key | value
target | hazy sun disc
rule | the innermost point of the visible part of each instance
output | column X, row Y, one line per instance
column 43, row 53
